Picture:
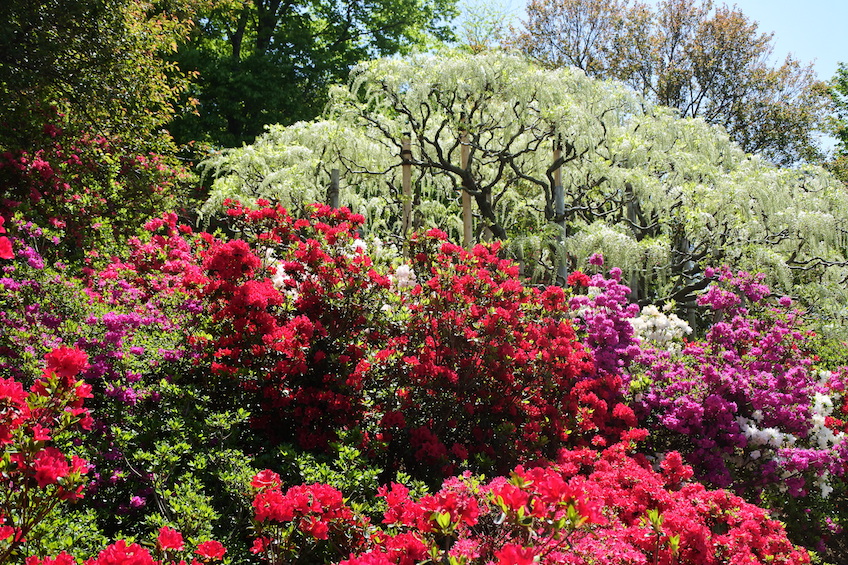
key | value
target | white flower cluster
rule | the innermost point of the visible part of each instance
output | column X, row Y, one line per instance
column 823, row 437
column 278, row 279
column 820, row 435
column 662, row 330
column 766, row 437
column 404, row 276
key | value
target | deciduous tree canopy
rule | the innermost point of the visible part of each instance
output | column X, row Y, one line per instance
column 705, row 62
column 98, row 60
column 272, row 61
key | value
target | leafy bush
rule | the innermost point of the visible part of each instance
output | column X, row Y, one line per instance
column 86, row 185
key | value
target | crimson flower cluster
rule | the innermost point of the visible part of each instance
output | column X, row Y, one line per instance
column 299, row 308
column 292, row 523
column 591, row 507
column 169, row 548
column 37, row 476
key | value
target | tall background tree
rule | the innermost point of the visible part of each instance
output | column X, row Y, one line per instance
column 102, row 63
column 839, row 122
column 272, row 61
column 706, row 62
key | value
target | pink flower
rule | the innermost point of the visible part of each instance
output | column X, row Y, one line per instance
column 40, row 433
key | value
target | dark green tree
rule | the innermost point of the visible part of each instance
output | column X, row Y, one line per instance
column 839, row 122
column 272, row 61
column 101, row 62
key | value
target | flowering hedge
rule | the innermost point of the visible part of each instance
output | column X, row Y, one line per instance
column 291, row 342
column 589, row 507
column 448, row 360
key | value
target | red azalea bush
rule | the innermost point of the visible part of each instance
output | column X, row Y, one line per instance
column 485, row 369
column 36, row 476
column 303, row 521
column 591, row 507
column 298, row 310
column 464, row 366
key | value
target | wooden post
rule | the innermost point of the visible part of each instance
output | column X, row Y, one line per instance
column 333, row 191
column 406, row 181
column 467, row 225
column 559, row 212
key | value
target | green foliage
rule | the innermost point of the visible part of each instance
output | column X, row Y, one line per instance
column 99, row 60
column 74, row 530
column 266, row 61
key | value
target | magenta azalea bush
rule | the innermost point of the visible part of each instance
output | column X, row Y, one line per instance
column 284, row 393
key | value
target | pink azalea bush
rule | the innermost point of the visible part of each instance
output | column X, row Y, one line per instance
column 748, row 408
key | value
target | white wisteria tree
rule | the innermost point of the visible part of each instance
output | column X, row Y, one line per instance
column 660, row 196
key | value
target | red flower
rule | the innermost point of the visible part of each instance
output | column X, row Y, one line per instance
column 6, row 248
column 66, row 361
column 61, row 559
column 169, row 539
column 212, row 550
column 119, row 553
column 578, row 278
column 50, row 465
column 266, row 479
column 514, row 554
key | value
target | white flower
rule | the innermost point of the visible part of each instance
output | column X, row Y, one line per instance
column 822, row 404
column 359, row 245
column 664, row 330
column 404, row 276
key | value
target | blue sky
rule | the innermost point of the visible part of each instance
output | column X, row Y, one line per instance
column 812, row 30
